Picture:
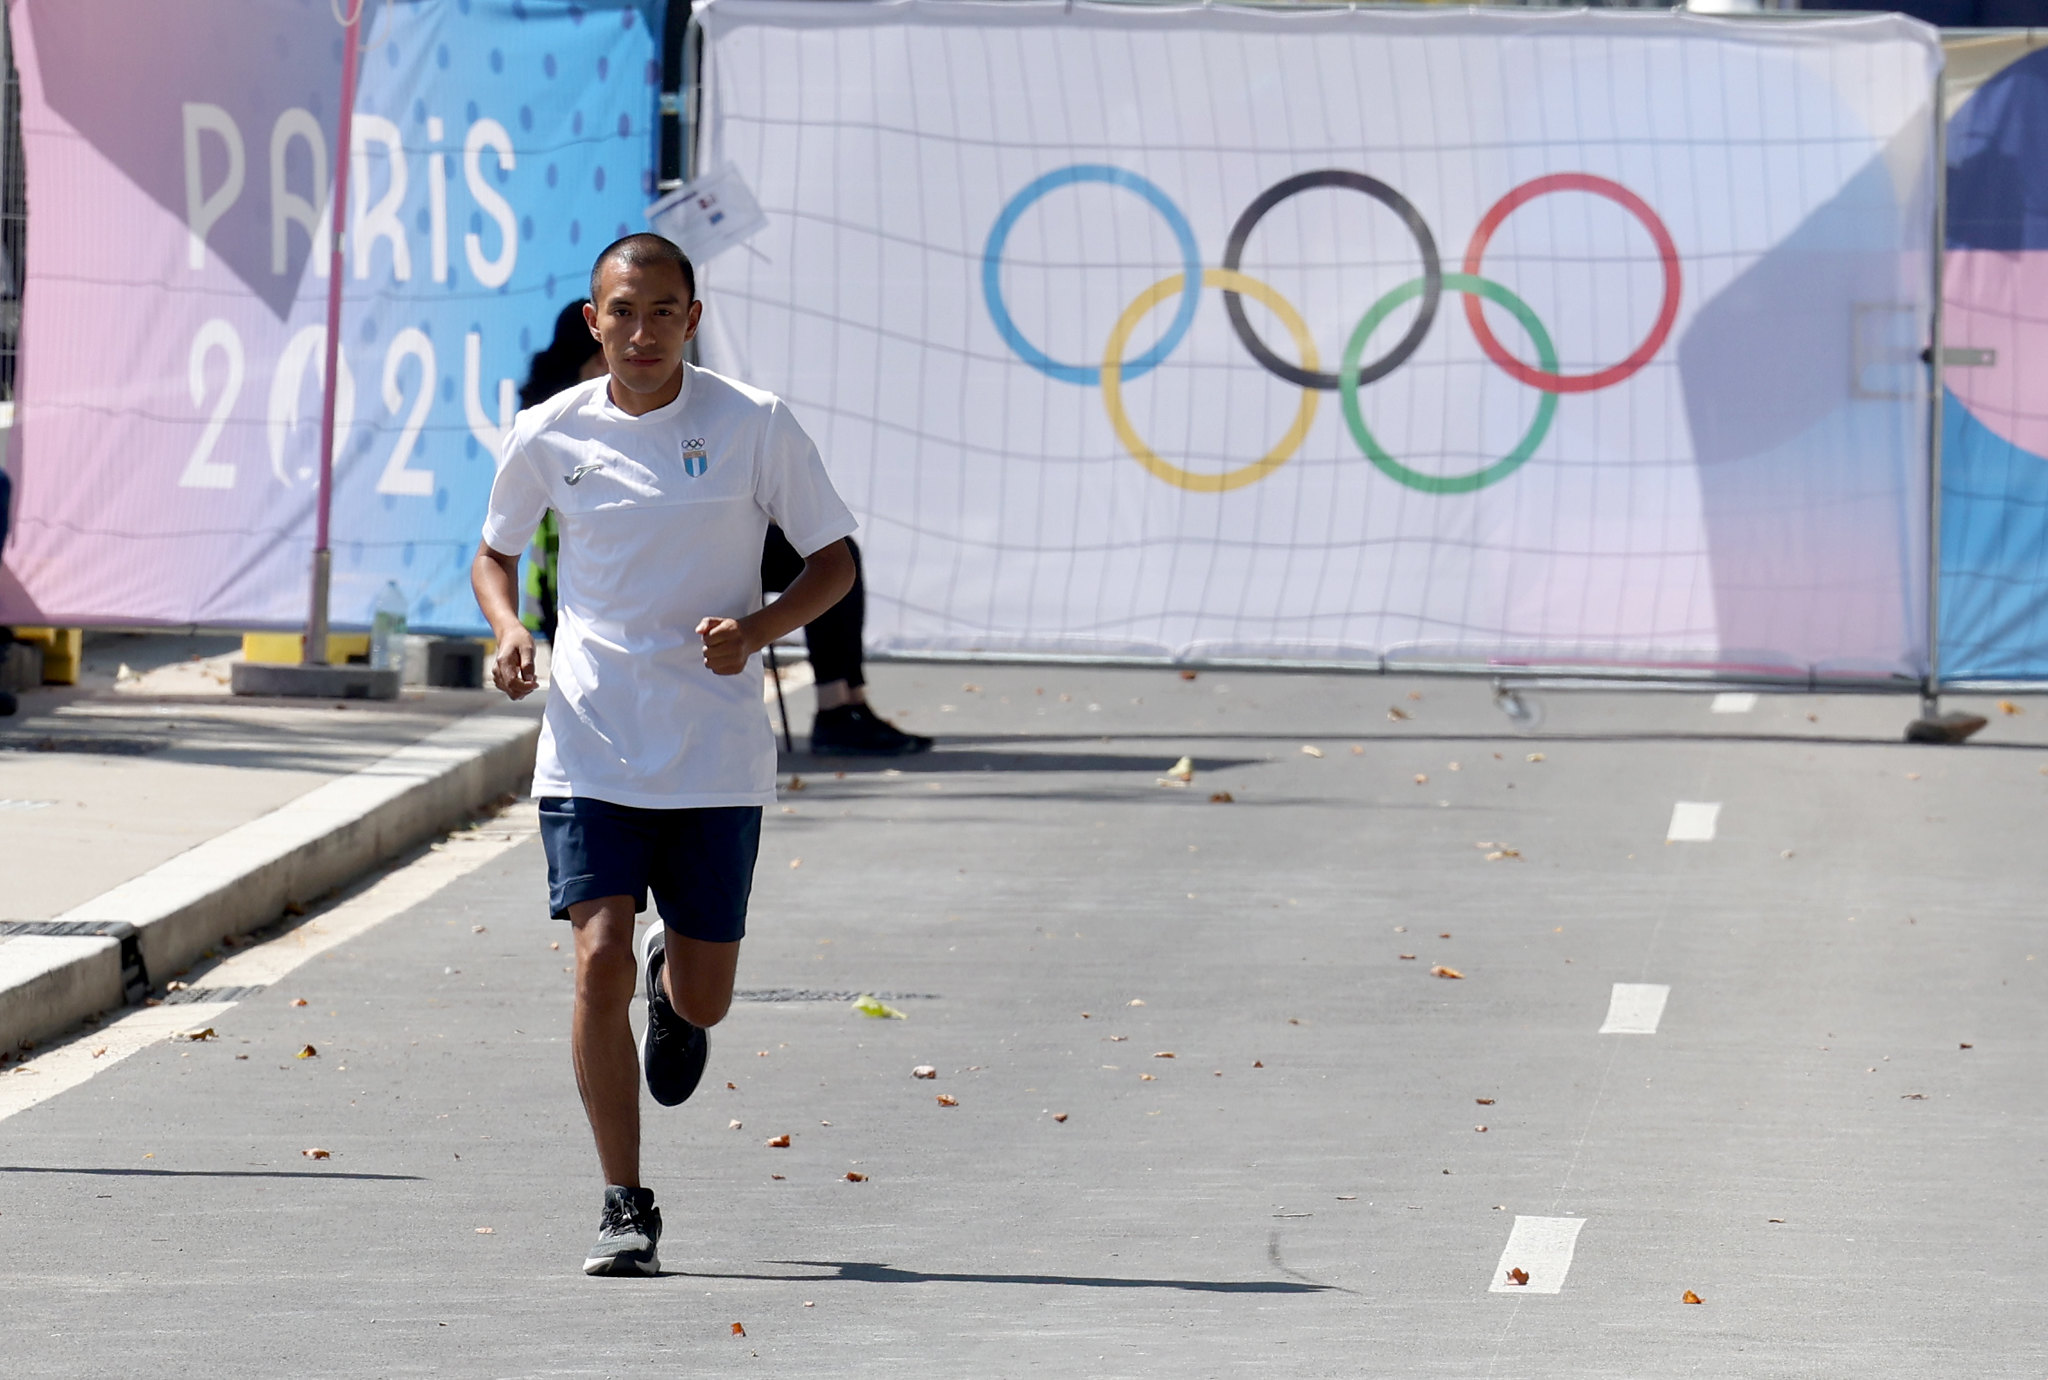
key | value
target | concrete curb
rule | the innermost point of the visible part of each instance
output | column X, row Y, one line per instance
column 244, row 879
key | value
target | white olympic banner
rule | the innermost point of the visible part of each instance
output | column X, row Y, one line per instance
column 1571, row 339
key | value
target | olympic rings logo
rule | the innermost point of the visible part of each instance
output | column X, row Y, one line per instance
column 1354, row 371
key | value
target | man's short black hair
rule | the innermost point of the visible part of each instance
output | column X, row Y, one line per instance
column 639, row 250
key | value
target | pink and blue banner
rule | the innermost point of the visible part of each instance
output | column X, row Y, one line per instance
column 180, row 159
column 1994, row 530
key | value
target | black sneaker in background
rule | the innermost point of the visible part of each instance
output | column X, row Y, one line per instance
column 672, row 1051
column 854, row 730
column 627, row 1234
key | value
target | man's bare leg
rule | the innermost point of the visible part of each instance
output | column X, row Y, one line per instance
column 601, row 1035
column 698, row 978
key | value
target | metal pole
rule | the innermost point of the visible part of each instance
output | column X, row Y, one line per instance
column 693, row 94
column 1930, row 698
column 316, row 618
column 775, row 675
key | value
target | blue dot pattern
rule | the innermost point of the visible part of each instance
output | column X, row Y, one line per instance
column 461, row 64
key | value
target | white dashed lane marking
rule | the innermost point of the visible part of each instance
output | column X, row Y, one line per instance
column 1635, row 1008
column 1541, row 1248
column 1734, row 702
column 1693, row 821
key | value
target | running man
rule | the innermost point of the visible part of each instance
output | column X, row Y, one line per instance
column 655, row 753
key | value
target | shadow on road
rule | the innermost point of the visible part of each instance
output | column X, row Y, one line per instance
column 862, row 1272
column 207, row 1173
column 952, row 760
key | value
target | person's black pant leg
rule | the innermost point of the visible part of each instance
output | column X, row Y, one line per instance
column 834, row 636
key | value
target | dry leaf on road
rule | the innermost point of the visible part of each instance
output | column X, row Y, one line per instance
column 854, row 1176
column 1164, row 1054
column 1691, row 1297
column 948, row 1100
column 1147, row 1078
column 298, row 1001
column 207, row 1034
column 1223, row 798
column 1407, row 955
column 1059, row 1116
column 1422, row 778
column 877, row 1009
column 1518, row 1276
column 317, row 1154
column 2008, row 707
column 1443, row 972
column 1533, row 757
column 924, row 1071
column 1484, row 1101
column 486, row 1231
column 1311, row 750
column 1396, row 713
column 732, row 1126
column 1479, row 1128
column 778, row 1142
column 1183, row 770
column 1503, row 854
column 738, row 1331
column 307, row 1053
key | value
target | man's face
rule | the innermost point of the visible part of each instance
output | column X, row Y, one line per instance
column 643, row 317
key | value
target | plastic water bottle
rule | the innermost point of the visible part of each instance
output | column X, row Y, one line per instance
column 387, row 630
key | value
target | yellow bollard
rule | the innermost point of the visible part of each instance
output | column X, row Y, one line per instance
column 289, row 649
column 63, row 651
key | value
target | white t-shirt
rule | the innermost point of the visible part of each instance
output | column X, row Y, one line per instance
column 662, row 519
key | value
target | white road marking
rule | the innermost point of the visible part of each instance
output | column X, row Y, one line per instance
column 391, row 894
column 64, row 1066
column 1734, row 702
column 1693, row 821
column 71, row 1063
column 1635, row 1008
column 1542, row 1248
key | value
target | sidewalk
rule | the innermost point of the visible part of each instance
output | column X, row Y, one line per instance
column 147, row 796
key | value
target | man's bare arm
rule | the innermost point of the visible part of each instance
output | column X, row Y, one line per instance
column 826, row 579
column 495, row 578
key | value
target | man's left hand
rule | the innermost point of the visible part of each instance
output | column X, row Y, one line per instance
column 726, row 646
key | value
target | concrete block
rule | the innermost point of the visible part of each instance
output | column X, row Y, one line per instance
column 315, row 682
column 456, row 662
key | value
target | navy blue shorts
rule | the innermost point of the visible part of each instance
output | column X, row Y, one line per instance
column 698, row 863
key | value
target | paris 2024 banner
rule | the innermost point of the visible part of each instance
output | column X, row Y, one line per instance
column 180, row 158
column 1582, row 339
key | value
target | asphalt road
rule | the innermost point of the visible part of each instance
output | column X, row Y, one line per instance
column 1211, row 1117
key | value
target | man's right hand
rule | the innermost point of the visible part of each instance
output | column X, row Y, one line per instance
column 512, row 667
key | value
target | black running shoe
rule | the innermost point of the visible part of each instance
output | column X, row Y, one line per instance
column 854, row 730
column 672, row 1051
column 626, row 1235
